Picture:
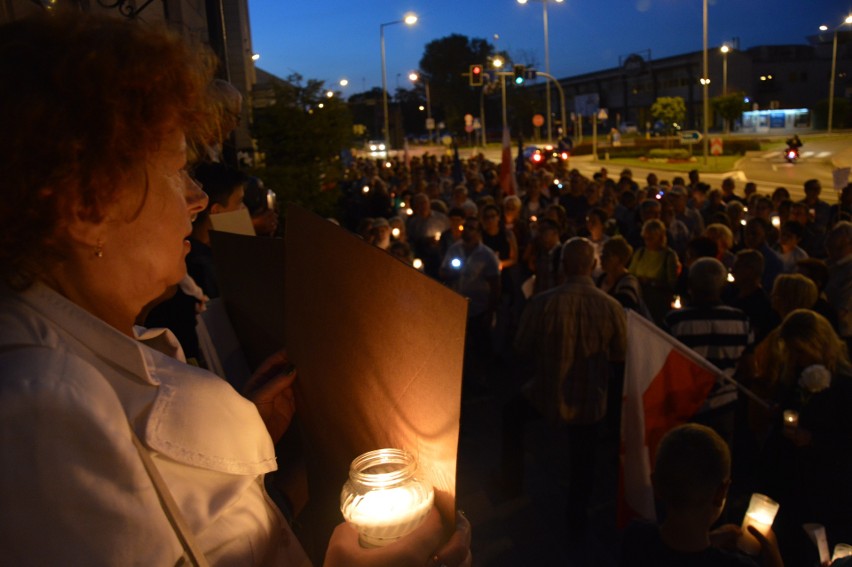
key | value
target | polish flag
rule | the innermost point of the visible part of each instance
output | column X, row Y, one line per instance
column 507, row 169
column 665, row 384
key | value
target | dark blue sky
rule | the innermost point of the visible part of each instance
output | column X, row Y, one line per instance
column 332, row 39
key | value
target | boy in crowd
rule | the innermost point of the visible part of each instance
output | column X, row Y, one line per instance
column 691, row 478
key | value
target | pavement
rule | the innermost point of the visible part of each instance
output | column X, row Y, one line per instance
column 529, row 528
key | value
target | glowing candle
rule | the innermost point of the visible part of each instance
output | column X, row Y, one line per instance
column 395, row 232
column 383, row 499
column 417, row 263
column 760, row 514
column 365, row 189
column 437, row 236
column 409, row 211
column 676, row 303
column 776, row 221
column 841, row 550
column 791, row 418
column 730, row 277
column 533, row 218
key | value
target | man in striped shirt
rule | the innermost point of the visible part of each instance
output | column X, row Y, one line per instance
column 719, row 333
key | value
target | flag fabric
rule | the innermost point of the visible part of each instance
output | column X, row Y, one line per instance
column 520, row 166
column 665, row 383
column 507, row 173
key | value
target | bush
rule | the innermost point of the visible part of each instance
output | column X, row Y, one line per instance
column 676, row 153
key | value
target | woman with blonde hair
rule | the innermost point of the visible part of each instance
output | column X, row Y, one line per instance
column 807, row 459
column 790, row 292
column 724, row 239
column 656, row 267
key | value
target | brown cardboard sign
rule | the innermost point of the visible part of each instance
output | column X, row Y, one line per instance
column 379, row 349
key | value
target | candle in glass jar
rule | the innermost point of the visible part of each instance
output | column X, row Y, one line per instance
column 760, row 514
column 791, row 418
column 383, row 499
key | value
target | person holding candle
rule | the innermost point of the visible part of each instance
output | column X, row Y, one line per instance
column 692, row 474
column 124, row 454
column 807, row 468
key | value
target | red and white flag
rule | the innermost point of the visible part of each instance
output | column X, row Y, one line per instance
column 507, row 166
column 406, row 156
column 665, row 384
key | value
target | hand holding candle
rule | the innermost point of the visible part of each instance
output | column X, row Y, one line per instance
column 791, row 418
column 760, row 515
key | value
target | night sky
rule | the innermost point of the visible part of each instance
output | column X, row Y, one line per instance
column 332, row 39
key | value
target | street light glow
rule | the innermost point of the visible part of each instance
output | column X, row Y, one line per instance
column 255, row 56
column 497, row 63
column 410, row 19
column 725, row 49
column 329, row 94
column 344, row 82
column 413, row 76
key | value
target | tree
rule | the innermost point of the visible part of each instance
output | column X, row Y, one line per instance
column 443, row 64
column 301, row 135
column 670, row 110
column 730, row 107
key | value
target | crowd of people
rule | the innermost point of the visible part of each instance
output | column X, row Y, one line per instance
column 159, row 459
column 758, row 284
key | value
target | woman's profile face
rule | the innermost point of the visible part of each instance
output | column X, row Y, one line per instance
column 145, row 233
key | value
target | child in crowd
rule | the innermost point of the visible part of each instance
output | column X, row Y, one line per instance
column 691, row 478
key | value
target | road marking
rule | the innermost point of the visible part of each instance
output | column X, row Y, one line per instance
column 823, row 154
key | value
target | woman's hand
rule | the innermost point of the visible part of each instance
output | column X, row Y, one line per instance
column 271, row 390
column 417, row 549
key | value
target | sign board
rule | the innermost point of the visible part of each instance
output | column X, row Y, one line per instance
column 603, row 114
column 430, row 123
column 587, row 104
column 468, row 119
column 716, row 146
column 538, row 120
column 468, row 128
column 476, row 124
column 690, row 137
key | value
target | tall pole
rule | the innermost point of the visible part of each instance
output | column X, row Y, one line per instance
column 831, row 81
column 725, row 49
column 556, row 84
column 482, row 116
column 429, row 110
column 547, row 70
column 385, row 88
column 706, row 85
column 503, row 88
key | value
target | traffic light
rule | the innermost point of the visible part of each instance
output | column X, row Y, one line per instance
column 476, row 73
column 519, row 74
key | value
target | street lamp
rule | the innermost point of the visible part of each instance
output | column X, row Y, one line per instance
column 848, row 20
column 725, row 49
column 705, row 83
column 546, row 61
column 409, row 19
column 414, row 77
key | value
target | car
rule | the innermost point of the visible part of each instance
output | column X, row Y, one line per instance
column 377, row 149
column 628, row 128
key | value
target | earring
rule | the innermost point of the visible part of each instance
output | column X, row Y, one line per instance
column 99, row 250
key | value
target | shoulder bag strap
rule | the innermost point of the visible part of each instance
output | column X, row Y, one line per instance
column 190, row 547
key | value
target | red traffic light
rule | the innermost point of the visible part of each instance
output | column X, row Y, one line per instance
column 476, row 75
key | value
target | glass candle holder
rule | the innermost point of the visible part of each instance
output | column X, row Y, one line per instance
column 383, row 499
column 791, row 418
column 760, row 514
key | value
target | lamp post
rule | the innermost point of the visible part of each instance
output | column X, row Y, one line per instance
column 725, row 49
column 414, row 77
column 705, row 83
column 409, row 20
column 546, row 62
column 848, row 20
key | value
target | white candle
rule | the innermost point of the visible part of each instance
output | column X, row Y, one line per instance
column 841, row 550
column 791, row 418
column 383, row 499
column 760, row 514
